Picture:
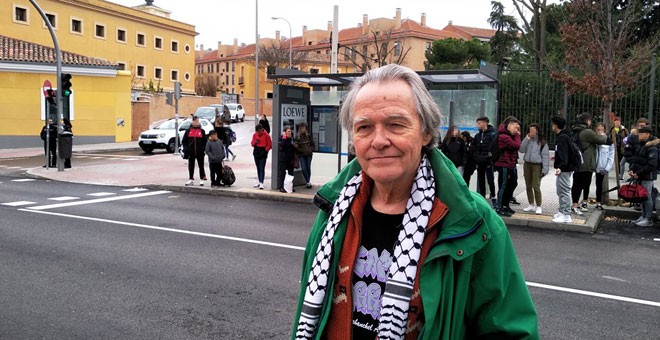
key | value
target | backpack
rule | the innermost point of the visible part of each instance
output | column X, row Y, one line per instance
column 228, row 177
column 495, row 151
column 575, row 158
column 232, row 136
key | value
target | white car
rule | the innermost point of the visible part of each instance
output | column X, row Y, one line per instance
column 162, row 135
column 237, row 112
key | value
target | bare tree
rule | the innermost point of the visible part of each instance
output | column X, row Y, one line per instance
column 534, row 29
column 382, row 49
column 273, row 55
column 206, row 85
column 604, row 57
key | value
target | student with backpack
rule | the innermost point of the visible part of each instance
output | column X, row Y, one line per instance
column 215, row 151
column 537, row 158
column 484, row 143
column 587, row 140
column 508, row 142
column 644, row 169
column 566, row 153
column 194, row 144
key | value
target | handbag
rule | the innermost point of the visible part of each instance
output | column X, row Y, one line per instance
column 633, row 192
column 296, row 162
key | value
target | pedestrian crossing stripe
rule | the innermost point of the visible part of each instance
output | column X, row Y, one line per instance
column 18, row 203
column 26, row 169
column 130, row 159
column 24, row 180
column 3, row 165
column 97, row 157
column 12, row 167
column 64, row 198
column 135, row 189
column 101, row 194
column 76, row 156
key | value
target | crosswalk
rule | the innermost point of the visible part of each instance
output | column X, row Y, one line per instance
column 88, row 198
column 109, row 157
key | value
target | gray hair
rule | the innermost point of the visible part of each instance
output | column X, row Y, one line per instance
column 428, row 110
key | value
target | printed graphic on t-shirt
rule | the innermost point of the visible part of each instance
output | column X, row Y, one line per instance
column 370, row 275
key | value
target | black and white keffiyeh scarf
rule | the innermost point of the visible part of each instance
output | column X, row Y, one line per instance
column 401, row 275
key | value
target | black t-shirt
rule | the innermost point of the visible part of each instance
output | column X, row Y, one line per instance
column 379, row 233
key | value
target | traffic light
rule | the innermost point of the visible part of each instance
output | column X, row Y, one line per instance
column 65, row 82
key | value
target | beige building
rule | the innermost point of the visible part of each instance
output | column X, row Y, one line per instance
column 371, row 43
column 143, row 39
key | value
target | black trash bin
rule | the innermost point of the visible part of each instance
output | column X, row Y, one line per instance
column 66, row 144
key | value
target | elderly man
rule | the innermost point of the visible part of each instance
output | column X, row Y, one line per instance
column 401, row 249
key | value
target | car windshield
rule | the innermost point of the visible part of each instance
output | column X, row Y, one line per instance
column 205, row 112
column 166, row 125
column 232, row 106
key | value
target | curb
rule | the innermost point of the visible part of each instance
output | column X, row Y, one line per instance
column 590, row 226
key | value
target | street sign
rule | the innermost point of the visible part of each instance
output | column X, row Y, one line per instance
column 47, row 88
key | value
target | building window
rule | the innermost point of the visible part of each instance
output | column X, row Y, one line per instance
column 175, row 46
column 227, row 66
column 76, row 26
column 52, row 18
column 347, row 53
column 313, row 70
column 140, row 39
column 428, row 45
column 121, row 66
column 174, row 75
column 233, row 66
column 20, row 15
column 233, row 78
column 186, row 48
column 121, row 35
column 158, row 43
column 227, row 80
column 269, row 95
column 186, row 76
column 140, row 71
column 99, row 31
column 217, row 67
column 365, row 48
column 158, row 73
column 397, row 48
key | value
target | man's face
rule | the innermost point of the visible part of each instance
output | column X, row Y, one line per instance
column 617, row 124
column 482, row 125
column 643, row 136
column 195, row 122
column 588, row 122
column 555, row 128
column 387, row 132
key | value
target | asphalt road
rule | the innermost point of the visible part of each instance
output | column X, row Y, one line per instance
column 184, row 266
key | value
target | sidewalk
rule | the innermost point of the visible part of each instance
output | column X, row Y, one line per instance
column 169, row 172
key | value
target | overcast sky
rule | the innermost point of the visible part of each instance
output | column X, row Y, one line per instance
column 224, row 20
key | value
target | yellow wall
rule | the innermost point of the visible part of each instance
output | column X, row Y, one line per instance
column 112, row 16
column 98, row 103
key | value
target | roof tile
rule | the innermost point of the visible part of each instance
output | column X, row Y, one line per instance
column 12, row 49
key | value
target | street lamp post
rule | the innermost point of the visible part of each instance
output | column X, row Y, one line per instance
column 290, row 46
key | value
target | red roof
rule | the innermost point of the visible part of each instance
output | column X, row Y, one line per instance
column 24, row 51
column 470, row 32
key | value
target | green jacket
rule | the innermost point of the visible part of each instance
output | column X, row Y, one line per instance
column 590, row 141
column 471, row 283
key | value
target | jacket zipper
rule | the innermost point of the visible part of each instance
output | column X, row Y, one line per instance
column 463, row 234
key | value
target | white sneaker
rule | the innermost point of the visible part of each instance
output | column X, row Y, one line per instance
column 563, row 219
column 559, row 218
column 256, row 185
column 530, row 208
column 539, row 211
column 261, row 186
column 201, row 182
column 568, row 219
column 190, row 182
column 557, row 214
column 577, row 211
column 646, row 222
column 639, row 219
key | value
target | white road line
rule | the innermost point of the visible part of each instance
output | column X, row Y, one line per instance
column 23, row 180
column 135, row 189
column 97, row 157
column 18, row 203
column 64, row 198
column 130, row 159
column 181, row 231
column 101, row 194
column 3, row 165
column 99, row 200
column 600, row 295
column 26, row 169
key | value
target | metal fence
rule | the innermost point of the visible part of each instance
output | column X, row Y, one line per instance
column 533, row 97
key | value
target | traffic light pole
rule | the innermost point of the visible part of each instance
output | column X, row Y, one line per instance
column 58, row 67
